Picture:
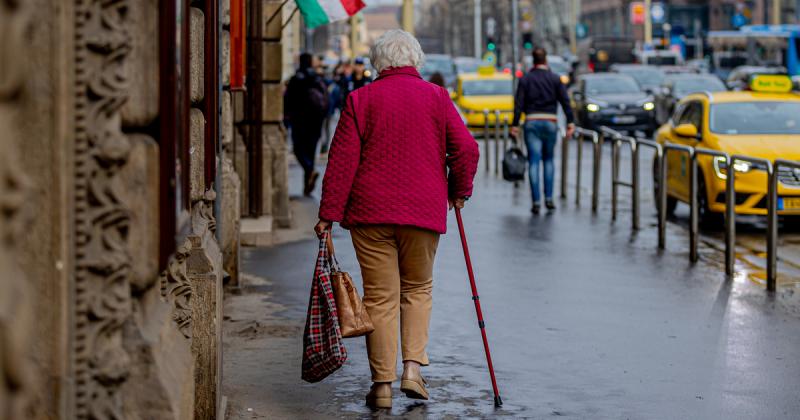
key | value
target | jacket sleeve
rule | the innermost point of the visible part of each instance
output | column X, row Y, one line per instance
column 519, row 101
column 462, row 153
column 343, row 161
column 563, row 99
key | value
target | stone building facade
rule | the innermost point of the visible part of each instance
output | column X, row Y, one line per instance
column 120, row 204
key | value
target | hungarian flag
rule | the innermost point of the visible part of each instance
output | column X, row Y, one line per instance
column 322, row 12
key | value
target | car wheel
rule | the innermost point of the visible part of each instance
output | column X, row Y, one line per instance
column 708, row 219
column 671, row 201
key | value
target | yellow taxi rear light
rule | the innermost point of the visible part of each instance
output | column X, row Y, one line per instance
column 771, row 83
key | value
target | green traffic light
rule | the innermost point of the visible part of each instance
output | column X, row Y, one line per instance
column 528, row 45
column 491, row 46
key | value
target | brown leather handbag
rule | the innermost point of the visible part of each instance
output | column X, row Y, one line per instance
column 354, row 320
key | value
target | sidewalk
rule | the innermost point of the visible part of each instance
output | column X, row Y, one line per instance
column 585, row 319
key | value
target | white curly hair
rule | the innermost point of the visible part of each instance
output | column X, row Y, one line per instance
column 396, row 48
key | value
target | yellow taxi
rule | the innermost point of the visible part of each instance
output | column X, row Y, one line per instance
column 484, row 90
column 762, row 122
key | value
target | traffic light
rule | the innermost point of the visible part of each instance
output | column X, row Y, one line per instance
column 490, row 45
column 527, row 40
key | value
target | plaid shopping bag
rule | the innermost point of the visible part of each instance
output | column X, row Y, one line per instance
column 323, row 349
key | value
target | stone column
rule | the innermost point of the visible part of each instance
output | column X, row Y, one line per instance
column 231, row 185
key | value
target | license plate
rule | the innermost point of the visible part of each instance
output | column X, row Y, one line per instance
column 789, row 203
column 623, row 119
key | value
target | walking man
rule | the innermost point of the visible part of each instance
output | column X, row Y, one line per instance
column 538, row 95
column 306, row 108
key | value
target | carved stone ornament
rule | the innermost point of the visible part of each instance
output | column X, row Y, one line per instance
column 177, row 289
column 102, row 290
column 17, row 384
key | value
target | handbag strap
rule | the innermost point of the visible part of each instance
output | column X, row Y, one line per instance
column 331, row 253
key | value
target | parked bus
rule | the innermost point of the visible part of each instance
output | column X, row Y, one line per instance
column 758, row 45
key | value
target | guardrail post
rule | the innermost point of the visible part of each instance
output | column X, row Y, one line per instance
column 564, row 165
column 693, row 214
column 730, row 218
column 772, row 227
column 662, row 198
column 614, row 176
column 579, row 169
column 486, row 137
column 505, row 134
column 635, row 183
column 496, row 141
column 597, row 139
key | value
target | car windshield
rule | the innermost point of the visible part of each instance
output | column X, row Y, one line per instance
column 468, row 66
column 662, row 60
column 559, row 67
column 441, row 65
column 755, row 118
column 698, row 84
column 608, row 85
column 645, row 77
column 486, row 87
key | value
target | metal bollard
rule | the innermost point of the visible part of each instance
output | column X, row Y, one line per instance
column 564, row 165
column 486, row 137
column 579, row 168
column 772, row 212
column 772, row 220
column 694, row 231
column 662, row 213
column 663, row 180
column 635, row 183
column 730, row 218
column 505, row 134
column 598, row 139
column 496, row 141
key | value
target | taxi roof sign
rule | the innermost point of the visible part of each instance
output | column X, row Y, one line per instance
column 770, row 83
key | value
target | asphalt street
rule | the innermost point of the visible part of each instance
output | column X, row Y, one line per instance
column 586, row 319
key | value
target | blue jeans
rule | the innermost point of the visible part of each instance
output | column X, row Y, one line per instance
column 540, row 138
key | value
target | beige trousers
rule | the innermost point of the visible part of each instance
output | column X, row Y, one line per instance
column 397, row 269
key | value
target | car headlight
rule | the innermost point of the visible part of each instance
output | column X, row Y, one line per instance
column 649, row 106
column 721, row 167
column 592, row 107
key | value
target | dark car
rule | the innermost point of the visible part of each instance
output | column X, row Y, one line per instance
column 648, row 77
column 676, row 86
column 606, row 50
column 613, row 100
column 739, row 78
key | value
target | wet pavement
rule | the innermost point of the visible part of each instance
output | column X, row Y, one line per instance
column 586, row 319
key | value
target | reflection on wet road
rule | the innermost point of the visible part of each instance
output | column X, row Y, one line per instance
column 586, row 320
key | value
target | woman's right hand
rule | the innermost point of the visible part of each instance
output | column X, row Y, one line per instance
column 456, row 202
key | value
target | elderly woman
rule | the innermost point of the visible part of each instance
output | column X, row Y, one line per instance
column 400, row 154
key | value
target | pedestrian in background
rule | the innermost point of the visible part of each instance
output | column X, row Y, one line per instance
column 306, row 107
column 437, row 79
column 399, row 155
column 538, row 95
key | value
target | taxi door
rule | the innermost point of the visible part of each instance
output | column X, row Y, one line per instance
column 679, row 162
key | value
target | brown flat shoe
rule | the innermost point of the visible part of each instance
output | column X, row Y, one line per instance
column 380, row 396
column 414, row 386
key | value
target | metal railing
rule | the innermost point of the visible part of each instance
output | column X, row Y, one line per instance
column 662, row 153
column 487, row 138
column 580, row 135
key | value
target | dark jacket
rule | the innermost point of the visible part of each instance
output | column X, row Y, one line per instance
column 539, row 92
column 306, row 98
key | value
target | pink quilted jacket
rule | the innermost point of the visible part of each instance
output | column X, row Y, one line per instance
column 399, row 151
